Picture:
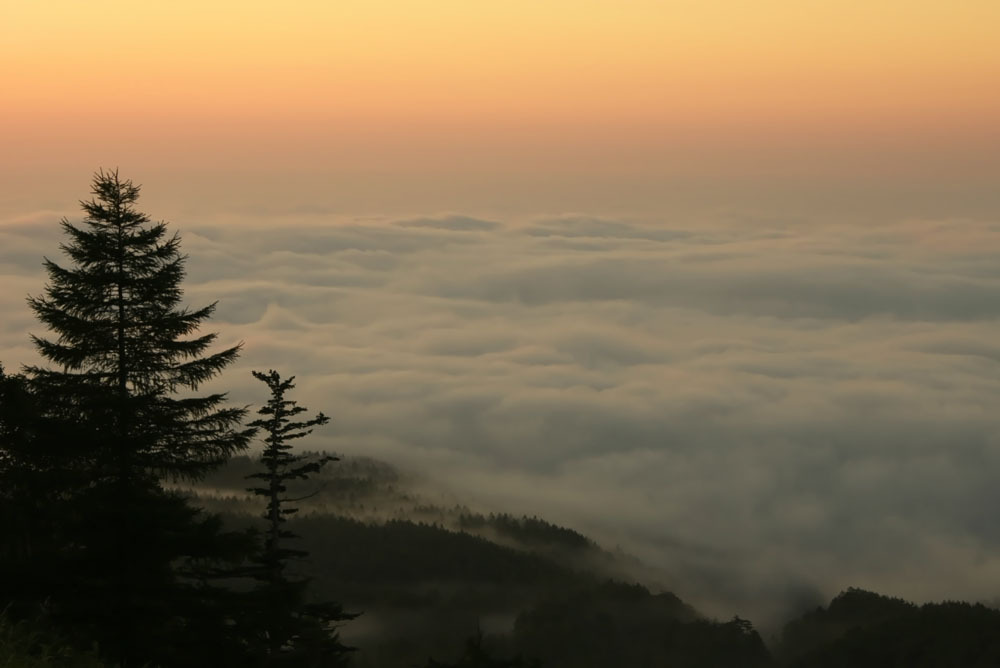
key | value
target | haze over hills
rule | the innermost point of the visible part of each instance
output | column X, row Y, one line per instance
column 427, row 574
column 768, row 410
column 427, row 570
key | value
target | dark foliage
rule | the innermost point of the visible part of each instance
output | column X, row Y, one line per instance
column 29, row 644
column 98, row 431
column 619, row 624
column 861, row 629
column 387, row 562
column 351, row 480
column 423, row 586
column 35, row 505
column 124, row 345
column 477, row 655
column 852, row 609
column 529, row 531
column 290, row 630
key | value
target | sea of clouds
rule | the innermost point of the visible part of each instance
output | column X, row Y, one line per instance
column 765, row 410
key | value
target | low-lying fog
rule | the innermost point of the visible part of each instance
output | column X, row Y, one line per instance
column 766, row 411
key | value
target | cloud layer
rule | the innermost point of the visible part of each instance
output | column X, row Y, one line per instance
column 766, row 410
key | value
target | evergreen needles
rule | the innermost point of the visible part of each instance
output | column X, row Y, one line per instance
column 116, row 413
column 292, row 630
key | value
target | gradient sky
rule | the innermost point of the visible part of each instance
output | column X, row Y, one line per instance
column 370, row 105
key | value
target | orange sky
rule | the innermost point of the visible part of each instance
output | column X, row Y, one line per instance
column 734, row 89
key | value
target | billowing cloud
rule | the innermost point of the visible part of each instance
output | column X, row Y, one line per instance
column 763, row 410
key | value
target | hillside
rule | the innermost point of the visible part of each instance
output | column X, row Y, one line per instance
column 427, row 576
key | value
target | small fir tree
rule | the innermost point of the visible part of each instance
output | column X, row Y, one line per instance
column 292, row 631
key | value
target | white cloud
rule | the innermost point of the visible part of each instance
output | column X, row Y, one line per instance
column 763, row 409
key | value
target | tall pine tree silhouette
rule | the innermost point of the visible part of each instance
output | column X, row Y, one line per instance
column 125, row 346
column 292, row 631
column 127, row 362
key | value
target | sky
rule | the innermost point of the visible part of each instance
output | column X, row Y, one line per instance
column 713, row 281
column 440, row 105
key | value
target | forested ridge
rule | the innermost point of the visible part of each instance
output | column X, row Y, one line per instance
column 541, row 590
column 146, row 522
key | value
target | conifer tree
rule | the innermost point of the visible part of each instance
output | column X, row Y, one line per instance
column 125, row 345
column 292, row 631
column 123, row 349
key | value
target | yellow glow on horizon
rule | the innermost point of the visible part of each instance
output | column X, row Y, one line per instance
column 407, row 82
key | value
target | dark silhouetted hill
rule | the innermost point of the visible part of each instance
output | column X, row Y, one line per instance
column 860, row 629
